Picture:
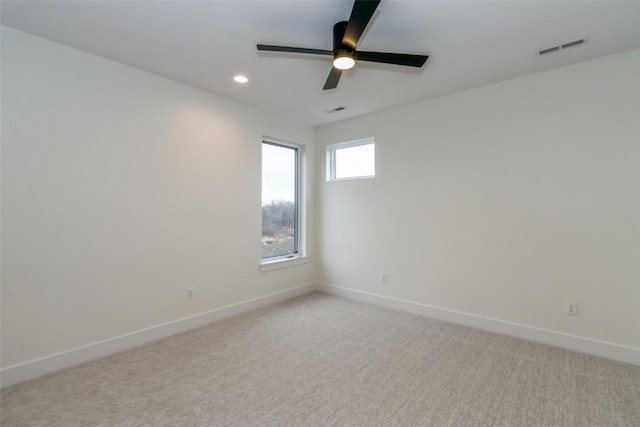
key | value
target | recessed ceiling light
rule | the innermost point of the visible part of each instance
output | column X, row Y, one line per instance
column 240, row 79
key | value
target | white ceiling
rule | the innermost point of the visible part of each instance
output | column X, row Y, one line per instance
column 204, row 44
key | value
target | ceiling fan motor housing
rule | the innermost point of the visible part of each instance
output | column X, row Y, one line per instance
column 339, row 48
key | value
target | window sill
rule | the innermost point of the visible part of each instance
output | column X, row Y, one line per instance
column 350, row 178
column 282, row 263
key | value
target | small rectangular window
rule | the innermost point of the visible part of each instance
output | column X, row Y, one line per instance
column 351, row 160
column 280, row 199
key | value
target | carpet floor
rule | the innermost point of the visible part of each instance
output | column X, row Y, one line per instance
column 321, row 360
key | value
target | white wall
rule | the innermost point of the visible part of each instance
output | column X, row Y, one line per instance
column 119, row 190
column 504, row 201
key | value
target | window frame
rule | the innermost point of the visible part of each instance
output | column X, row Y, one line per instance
column 299, row 254
column 331, row 158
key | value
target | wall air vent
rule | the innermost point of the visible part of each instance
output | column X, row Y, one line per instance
column 561, row 46
column 334, row 110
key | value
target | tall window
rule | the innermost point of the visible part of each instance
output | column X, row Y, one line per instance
column 280, row 194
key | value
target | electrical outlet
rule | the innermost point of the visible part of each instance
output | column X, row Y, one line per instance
column 383, row 278
column 572, row 308
column 191, row 293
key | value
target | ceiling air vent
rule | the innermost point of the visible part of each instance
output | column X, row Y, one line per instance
column 334, row 110
column 561, row 46
column 573, row 43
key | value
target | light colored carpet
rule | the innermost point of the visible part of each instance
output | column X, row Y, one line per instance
column 320, row 360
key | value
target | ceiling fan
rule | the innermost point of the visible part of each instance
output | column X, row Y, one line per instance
column 346, row 35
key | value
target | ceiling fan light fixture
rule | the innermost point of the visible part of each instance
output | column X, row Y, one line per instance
column 345, row 62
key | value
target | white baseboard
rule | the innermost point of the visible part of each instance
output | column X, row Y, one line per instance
column 55, row 362
column 572, row 342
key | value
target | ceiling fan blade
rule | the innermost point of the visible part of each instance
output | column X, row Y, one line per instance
column 332, row 80
column 392, row 58
column 271, row 48
column 360, row 16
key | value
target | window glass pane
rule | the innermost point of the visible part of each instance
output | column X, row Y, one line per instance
column 351, row 162
column 279, row 200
